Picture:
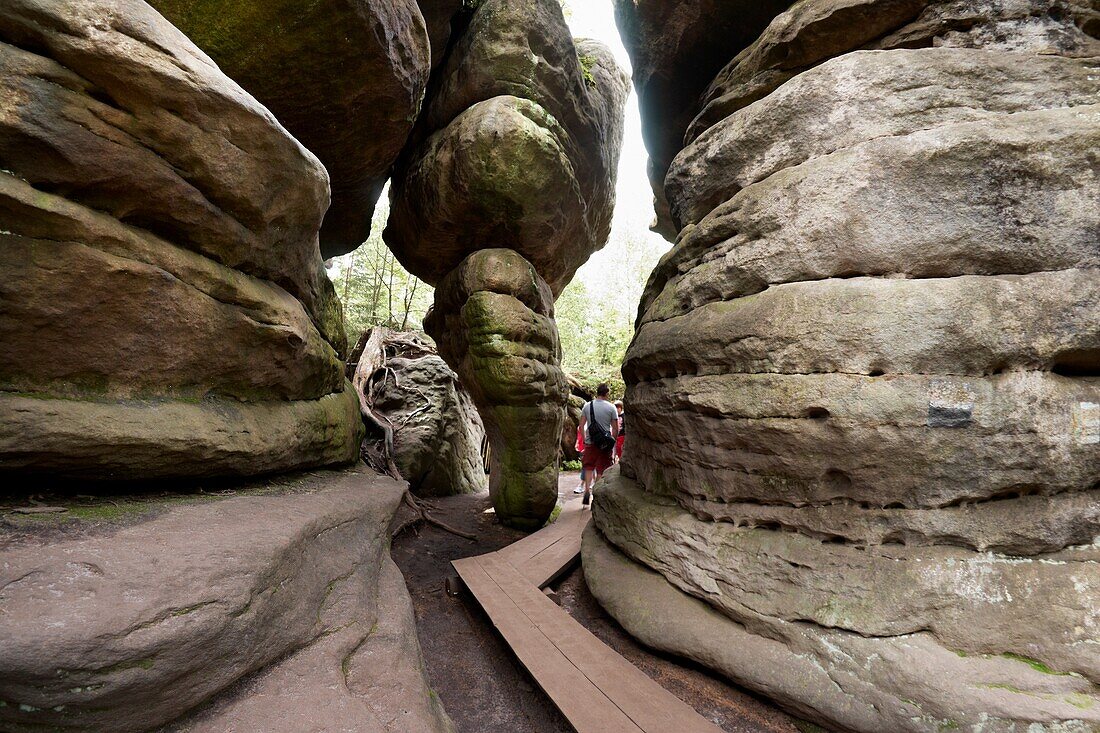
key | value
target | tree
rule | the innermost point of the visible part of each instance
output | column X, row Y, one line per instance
column 373, row 286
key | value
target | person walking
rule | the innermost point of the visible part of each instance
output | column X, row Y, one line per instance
column 600, row 422
column 579, row 447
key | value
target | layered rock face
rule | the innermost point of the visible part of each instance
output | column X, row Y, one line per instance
column 493, row 320
column 165, row 310
column 346, row 77
column 516, row 150
column 270, row 611
column 879, row 336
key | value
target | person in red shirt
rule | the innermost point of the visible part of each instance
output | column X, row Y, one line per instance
column 621, row 437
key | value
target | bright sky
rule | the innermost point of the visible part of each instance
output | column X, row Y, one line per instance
column 634, row 199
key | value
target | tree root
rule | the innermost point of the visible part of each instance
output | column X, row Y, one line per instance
column 413, row 503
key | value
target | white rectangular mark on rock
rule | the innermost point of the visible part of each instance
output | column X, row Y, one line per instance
column 1086, row 423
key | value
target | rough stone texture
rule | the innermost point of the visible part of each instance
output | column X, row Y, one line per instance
column 160, row 259
column 511, row 166
column 127, row 630
column 676, row 48
column 360, row 677
column 812, row 32
column 346, row 77
column 437, row 430
column 520, row 146
column 918, row 684
column 878, row 342
column 493, row 321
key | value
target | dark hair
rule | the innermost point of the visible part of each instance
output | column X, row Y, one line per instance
column 603, row 390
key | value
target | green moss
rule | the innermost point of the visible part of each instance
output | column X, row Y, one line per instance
column 587, row 62
column 1033, row 663
column 949, row 725
column 146, row 663
column 1077, row 700
column 554, row 515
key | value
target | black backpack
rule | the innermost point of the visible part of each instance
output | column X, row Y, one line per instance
column 597, row 435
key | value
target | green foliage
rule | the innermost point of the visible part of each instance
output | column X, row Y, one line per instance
column 595, row 312
column 375, row 289
column 587, row 62
column 571, row 465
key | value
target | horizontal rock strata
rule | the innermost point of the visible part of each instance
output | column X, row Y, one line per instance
column 493, row 319
column 811, row 668
column 516, row 151
column 160, row 260
column 877, row 342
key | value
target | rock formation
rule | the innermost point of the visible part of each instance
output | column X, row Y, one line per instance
column 878, row 338
column 346, row 77
column 515, row 150
column 246, row 613
column 437, row 433
column 493, row 319
column 165, row 310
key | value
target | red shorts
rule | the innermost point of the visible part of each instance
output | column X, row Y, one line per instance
column 619, row 446
column 595, row 459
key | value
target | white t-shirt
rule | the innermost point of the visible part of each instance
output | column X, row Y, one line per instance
column 604, row 413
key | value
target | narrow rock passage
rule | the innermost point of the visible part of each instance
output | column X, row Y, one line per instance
column 481, row 684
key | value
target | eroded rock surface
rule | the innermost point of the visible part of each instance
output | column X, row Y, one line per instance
column 346, row 77
column 165, row 310
column 286, row 604
column 880, row 327
column 516, row 150
column 437, row 431
column 493, row 320
column 521, row 145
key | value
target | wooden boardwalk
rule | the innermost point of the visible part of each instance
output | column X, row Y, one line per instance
column 595, row 688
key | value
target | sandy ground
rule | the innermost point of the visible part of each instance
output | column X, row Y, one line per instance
column 483, row 687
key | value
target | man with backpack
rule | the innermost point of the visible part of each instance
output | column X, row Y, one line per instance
column 600, row 423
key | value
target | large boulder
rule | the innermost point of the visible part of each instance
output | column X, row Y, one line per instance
column 676, row 48
column 493, row 320
column 275, row 610
column 512, row 165
column 521, row 112
column 878, row 340
column 346, row 77
column 165, row 309
column 437, row 432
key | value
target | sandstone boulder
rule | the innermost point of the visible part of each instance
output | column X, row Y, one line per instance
column 437, row 431
column 493, row 321
column 676, row 48
column 346, row 77
column 288, row 594
column 162, row 286
column 907, row 683
column 812, row 32
column 521, row 112
column 876, row 339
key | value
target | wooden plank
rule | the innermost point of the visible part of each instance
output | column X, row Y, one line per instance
column 651, row 707
column 526, row 548
column 578, row 698
column 544, row 555
column 556, row 558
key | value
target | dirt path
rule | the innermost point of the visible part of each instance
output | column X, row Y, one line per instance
column 483, row 687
